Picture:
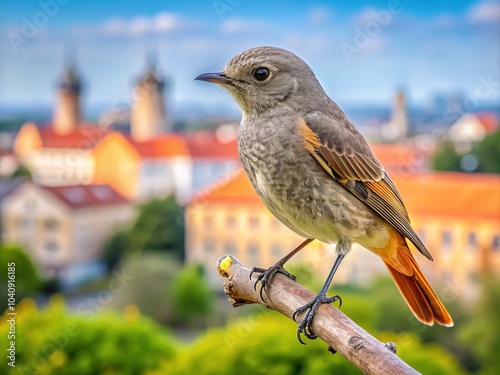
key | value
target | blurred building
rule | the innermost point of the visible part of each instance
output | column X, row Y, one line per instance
column 229, row 218
column 398, row 126
column 143, row 170
column 61, row 153
column 471, row 128
column 56, row 159
column 461, row 231
column 67, row 113
column 148, row 117
column 6, row 187
column 64, row 228
column 8, row 163
column 214, row 155
column 457, row 216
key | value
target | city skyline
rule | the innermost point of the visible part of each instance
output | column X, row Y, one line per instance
column 452, row 47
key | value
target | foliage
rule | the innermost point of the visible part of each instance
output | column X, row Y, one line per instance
column 22, row 171
column 164, row 290
column 192, row 298
column 266, row 343
column 159, row 226
column 480, row 333
column 486, row 151
column 151, row 275
column 446, row 158
column 26, row 278
column 52, row 341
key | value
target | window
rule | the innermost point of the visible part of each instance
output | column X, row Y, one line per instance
column 253, row 222
column 495, row 242
column 253, row 250
column 472, row 240
column 231, row 221
column 51, row 246
column 253, row 253
column 209, row 246
column 230, row 248
column 208, row 221
column 446, row 239
column 51, row 224
column 277, row 250
column 23, row 222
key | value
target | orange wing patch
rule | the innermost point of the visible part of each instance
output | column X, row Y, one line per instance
column 310, row 138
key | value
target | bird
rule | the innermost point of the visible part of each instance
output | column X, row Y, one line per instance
column 316, row 173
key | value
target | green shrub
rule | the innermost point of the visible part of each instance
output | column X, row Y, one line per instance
column 52, row 341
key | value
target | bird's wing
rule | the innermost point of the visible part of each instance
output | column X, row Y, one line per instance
column 346, row 156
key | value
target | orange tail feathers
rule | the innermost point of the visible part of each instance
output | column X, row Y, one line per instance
column 415, row 289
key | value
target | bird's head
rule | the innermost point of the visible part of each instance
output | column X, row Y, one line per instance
column 262, row 77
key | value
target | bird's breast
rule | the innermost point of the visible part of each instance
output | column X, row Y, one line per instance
column 296, row 189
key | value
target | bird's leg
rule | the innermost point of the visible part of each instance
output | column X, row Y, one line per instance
column 305, row 326
column 267, row 274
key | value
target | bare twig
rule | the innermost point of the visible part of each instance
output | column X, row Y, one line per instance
column 339, row 332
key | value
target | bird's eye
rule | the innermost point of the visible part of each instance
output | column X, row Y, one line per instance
column 260, row 74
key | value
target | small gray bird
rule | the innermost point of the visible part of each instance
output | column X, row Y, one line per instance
column 316, row 173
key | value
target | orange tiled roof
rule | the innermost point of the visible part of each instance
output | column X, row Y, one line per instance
column 451, row 194
column 433, row 194
column 207, row 145
column 399, row 157
column 489, row 121
column 166, row 145
column 80, row 196
column 84, row 136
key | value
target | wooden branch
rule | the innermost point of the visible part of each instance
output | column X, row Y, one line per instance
column 341, row 334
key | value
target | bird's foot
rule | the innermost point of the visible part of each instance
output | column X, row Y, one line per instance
column 305, row 326
column 266, row 275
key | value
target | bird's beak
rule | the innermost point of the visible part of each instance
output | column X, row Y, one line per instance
column 219, row 78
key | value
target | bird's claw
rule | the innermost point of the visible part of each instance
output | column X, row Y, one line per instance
column 266, row 275
column 305, row 326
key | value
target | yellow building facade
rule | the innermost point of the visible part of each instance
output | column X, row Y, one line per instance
column 456, row 215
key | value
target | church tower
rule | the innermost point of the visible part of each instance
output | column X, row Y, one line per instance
column 67, row 111
column 148, row 117
column 398, row 127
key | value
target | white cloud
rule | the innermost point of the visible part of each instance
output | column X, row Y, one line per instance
column 239, row 26
column 484, row 12
column 160, row 23
column 319, row 15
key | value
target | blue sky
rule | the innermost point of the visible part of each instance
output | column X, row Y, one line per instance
column 361, row 51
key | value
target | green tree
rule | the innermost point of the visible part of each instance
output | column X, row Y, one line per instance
column 159, row 226
column 265, row 343
column 55, row 342
column 192, row 297
column 487, row 152
column 152, row 275
column 480, row 333
column 22, row 171
column 446, row 158
column 27, row 281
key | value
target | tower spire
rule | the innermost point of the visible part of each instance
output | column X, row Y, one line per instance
column 148, row 116
column 67, row 110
